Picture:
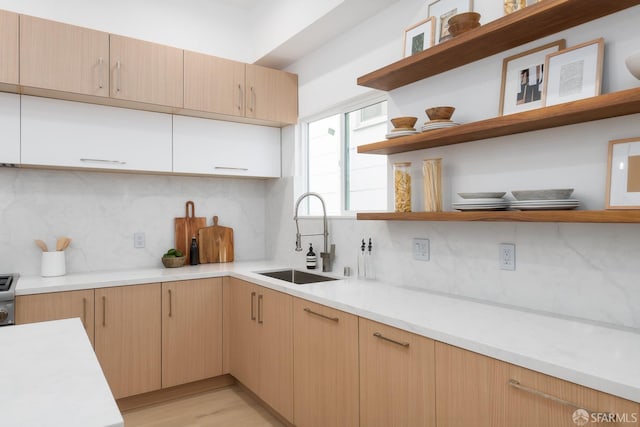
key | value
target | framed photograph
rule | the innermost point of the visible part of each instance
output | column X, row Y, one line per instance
column 522, row 78
column 623, row 174
column 442, row 10
column 511, row 6
column 419, row 37
column 573, row 73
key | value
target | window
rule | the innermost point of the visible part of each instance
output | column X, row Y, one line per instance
column 347, row 181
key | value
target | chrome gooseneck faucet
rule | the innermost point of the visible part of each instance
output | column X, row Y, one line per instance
column 327, row 257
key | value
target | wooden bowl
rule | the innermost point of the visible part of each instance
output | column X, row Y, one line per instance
column 440, row 113
column 463, row 22
column 404, row 122
column 173, row 262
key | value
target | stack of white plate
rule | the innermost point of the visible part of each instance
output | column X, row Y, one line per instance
column 438, row 124
column 481, row 202
column 532, row 205
column 398, row 132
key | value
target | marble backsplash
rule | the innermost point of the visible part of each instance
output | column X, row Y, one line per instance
column 101, row 211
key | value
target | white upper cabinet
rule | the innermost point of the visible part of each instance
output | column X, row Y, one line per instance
column 212, row 147
column 10, row 125
column 71, row 134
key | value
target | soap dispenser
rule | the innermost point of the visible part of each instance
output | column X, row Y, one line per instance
column 194, row 255
column 311, row 258
column 361, row 260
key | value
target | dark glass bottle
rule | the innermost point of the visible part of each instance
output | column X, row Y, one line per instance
column 311, row 258
column 194, row 256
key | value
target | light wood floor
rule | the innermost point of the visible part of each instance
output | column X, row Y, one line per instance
column 228, row 407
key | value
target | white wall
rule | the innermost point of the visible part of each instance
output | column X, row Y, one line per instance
column 583, row 270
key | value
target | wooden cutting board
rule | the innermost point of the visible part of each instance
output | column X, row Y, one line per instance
column 216, row 243
column 187, row 227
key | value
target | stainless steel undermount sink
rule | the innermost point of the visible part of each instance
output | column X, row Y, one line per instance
column 296, row 276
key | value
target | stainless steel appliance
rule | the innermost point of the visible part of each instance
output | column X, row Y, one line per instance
column 7, row 298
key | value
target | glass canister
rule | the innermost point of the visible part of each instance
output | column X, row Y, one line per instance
column 432, row 185
column 402, row 186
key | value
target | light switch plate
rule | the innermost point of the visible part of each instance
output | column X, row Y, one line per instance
column 421, row 249
column 138, row 240
column 507, row 256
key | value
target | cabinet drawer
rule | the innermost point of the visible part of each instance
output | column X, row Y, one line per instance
column 212, row 147
column 71, row 134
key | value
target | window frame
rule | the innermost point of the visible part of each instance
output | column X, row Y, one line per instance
column 302, row 159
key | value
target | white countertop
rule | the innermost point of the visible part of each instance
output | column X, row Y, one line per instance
column 50, row 376
column 591, row 355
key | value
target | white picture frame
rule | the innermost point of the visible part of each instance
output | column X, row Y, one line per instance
column 442, row 10
column 515, row 96
column 419, row 37
column 574, row 73
column 623, row 174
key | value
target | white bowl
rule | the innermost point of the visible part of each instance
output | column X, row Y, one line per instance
column 633, row 64
column 550, row 194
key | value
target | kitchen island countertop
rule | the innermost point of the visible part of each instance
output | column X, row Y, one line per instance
column 593, row 355
column 50, row 376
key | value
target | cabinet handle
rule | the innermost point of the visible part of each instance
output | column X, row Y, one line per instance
column 84, row 312
column 382, row 337
column 118, row 76
column 240, row 97
column 260, row 308
column 252, row 106
column 114, row 162
column 104, row 311
column 516, row 384
column 170, row 304
column 100, row 73
column 253, row 296
column 333, row 319
column 231, row 168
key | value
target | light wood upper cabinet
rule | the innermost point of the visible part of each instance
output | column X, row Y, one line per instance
column 146, row 72
column 473, row 389
column 128, row 337
column 191, row 330
column 55, row 306
column 9, row 47
column 213, row 84
column 325, row 348
column 261, row 343
column 271, row 95
column 397, row 377
column 63, row 57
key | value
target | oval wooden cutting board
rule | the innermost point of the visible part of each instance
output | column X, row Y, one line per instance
column 216, row 243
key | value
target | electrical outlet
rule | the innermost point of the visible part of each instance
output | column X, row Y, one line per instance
column 138, row 240
column 507, row 256
column 421, row 249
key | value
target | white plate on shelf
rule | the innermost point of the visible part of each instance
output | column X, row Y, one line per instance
column 481, row 195
column 398, row 134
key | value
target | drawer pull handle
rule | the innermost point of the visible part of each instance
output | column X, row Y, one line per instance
column 170, row 304
column 240, row 97
column 334, row 319
column 260, row 309
column 84, row 311
column 231, row 168
column 101, row 73
column 253, row 297
column 115, row 162
column 118, row 76
column 104, row 311
column 516, row 384
column 382, row 337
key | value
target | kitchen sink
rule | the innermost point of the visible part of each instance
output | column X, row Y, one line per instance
column 296, row 276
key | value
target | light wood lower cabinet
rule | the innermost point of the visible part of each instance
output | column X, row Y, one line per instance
column 476, row 390
column 191, row 330
column 397, row 377
column 261, row 343
column 128, row 337
column 9, row 47
column 55, row 306
column 325, row 348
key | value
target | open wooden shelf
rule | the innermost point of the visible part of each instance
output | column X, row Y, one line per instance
column 531, row 23
column 610, row 216
column 598, row 107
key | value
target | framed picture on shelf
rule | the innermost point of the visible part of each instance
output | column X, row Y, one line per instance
column 522, row 78
column 623, row 174
column 574, row 73
column 419, row 37
column 511, row 6
column 442, row 10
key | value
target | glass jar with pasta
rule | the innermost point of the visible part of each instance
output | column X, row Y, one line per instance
column 402, row 186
